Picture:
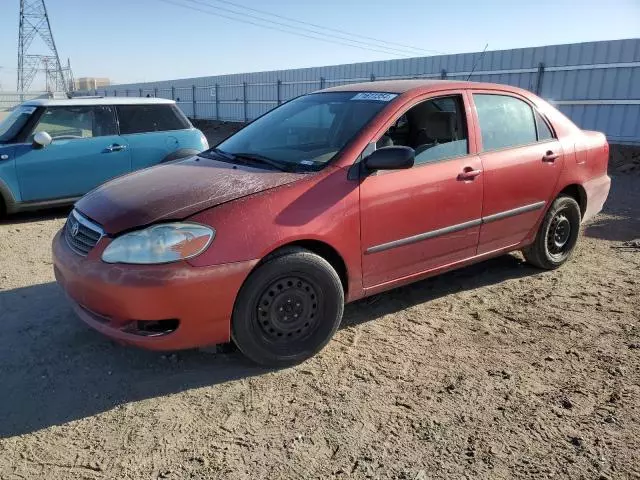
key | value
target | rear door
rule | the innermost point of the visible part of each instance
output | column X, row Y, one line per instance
column 419, row 219
column 521, row 160
column 86, row 151
column 153, row 131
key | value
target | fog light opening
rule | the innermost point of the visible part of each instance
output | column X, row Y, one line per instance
column 154, row 328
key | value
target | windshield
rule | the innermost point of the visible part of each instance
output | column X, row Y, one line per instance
column 307, row 132
column 14, row 122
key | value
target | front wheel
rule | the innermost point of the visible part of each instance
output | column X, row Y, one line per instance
column 557, row 236
column 288, row 309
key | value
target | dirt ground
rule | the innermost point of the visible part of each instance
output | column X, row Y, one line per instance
column 496, row 371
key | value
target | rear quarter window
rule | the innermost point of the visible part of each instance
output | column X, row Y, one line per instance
column 150, row 118
column 544, row 132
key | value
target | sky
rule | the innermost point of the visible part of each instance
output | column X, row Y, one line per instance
column 147, row 40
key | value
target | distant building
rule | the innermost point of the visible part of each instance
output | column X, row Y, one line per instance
column 91, row 83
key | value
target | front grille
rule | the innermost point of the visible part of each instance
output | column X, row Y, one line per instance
column 81, row 234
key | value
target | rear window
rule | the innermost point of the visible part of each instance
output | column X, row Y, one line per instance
column 150, row 118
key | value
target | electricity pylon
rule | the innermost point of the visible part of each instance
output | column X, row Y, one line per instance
column 34, row 21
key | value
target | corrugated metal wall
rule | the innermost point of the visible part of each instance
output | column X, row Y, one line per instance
column 596, row 84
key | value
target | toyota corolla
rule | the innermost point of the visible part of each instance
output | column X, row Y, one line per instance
column 328, row 198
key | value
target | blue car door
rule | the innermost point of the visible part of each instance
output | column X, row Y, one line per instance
column 154, row 131
column 86, row 151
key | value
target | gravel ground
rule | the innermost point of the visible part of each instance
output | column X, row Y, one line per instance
column 496, row 371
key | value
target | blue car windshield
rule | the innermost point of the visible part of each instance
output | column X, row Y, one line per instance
column 11, row 125
column 307, row 132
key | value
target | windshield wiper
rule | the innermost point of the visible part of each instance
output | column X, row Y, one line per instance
column 251, row 157
column 254, row 157
column 217, row 151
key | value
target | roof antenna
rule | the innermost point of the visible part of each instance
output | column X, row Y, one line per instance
column 475, row 64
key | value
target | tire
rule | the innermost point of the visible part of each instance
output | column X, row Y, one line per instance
column 557, row 236
column 288, row 309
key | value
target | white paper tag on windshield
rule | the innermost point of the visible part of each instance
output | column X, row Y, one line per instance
column 307, row 162
column 375, row 96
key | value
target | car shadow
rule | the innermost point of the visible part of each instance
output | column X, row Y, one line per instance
column 489, row 272
column 36, row 216
column 620, row 218
column 618, row 228
column 54, row 369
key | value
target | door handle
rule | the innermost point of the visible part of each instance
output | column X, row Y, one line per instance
column 469, row 174
column 115, row 148
column 550, row 157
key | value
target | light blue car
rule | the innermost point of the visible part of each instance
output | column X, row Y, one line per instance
column 54, row 151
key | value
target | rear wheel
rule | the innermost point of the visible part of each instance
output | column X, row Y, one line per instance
column 557, row 236
column 288, row 309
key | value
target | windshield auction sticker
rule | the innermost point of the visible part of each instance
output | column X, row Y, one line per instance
column 375, row 96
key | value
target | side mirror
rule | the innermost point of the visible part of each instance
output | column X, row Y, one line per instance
column 390, row 158
column 41, row 139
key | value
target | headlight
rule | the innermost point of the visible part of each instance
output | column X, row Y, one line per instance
column 162, row 243
column 205, row 142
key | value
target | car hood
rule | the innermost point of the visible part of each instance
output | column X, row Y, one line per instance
column 174, row 191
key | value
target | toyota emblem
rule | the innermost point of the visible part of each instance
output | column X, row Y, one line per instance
column 75, row 229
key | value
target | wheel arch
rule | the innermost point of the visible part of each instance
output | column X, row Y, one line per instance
column 7, row 200
column 320, row 248
column 578, row 193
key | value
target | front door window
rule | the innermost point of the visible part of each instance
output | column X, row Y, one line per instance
column 77, row 122
column 435, row 129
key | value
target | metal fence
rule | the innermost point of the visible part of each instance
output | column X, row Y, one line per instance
column 596, row 84
column 8, row 100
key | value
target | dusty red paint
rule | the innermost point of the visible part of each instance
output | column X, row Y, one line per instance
column 115, row 295
column 256, row 212
column 174, row 190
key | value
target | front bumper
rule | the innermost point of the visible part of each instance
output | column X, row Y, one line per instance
column 113, row 298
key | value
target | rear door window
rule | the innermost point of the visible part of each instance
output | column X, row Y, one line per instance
column 505, row 121
column 150, row 118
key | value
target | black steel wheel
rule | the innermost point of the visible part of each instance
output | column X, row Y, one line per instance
column 288, row 308
column 557, row 236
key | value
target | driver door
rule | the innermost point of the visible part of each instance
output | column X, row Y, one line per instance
column 428, row 216
column 86, row 151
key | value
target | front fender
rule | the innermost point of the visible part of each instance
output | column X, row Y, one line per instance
column 9, row 184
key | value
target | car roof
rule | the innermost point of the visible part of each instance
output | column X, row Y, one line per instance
column 87, row 101
column 402, row 86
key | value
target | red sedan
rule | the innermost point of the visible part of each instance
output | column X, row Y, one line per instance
column 326, row 199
